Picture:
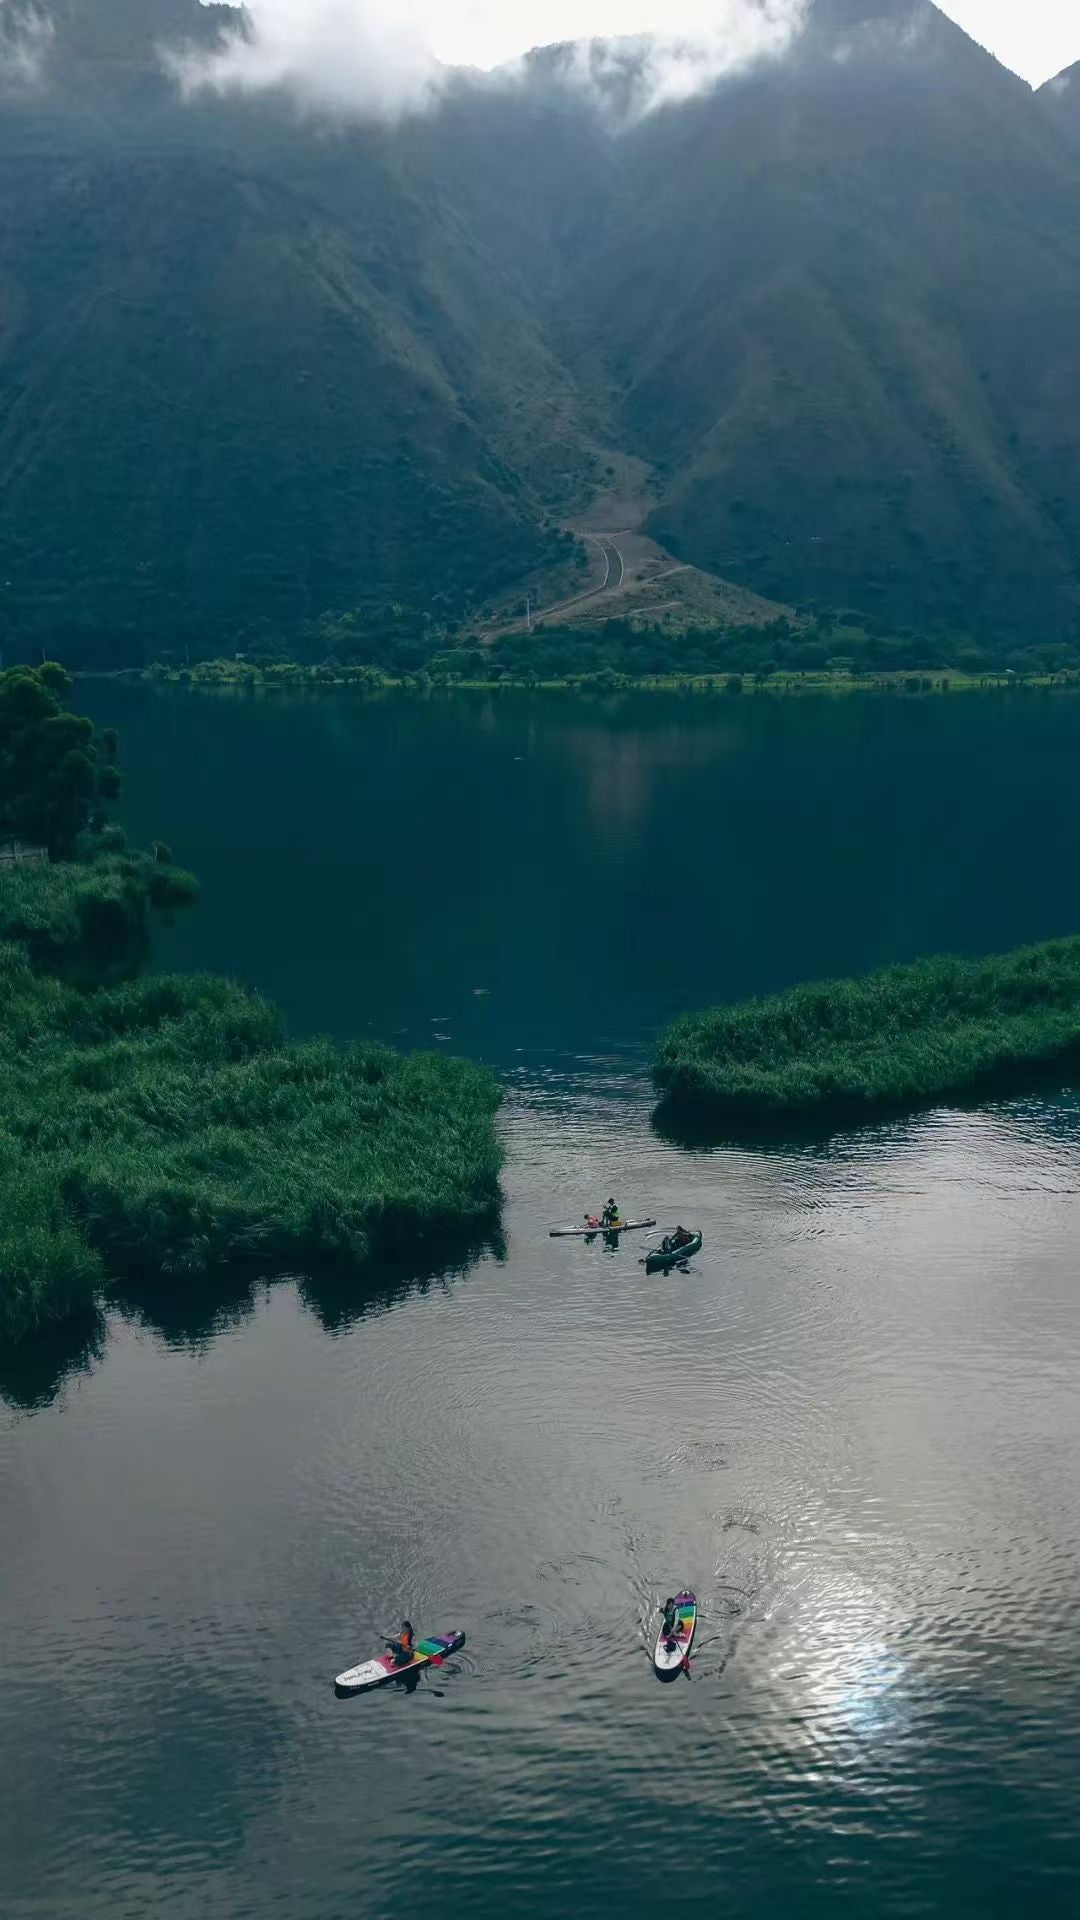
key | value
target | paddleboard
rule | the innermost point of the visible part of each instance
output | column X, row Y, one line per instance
column 376, row 1673
column 670, row 1661
column 589, row 1233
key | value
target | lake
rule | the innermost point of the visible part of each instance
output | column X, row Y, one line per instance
column 853, row 1427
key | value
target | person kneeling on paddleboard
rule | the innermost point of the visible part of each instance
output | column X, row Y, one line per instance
column 404, row 1646
column 670, row 1624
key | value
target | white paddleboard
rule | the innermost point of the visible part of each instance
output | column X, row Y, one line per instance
column 376, row 1673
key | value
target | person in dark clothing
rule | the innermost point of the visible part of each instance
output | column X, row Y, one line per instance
column 671, row 1621
column 611, row 1214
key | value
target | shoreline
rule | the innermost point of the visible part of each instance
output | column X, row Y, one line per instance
column 371, row 682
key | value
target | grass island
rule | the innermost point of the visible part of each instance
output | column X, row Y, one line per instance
column 905, row 1036
column 166, row 1126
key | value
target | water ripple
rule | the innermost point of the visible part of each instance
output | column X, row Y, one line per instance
column 852, row 1427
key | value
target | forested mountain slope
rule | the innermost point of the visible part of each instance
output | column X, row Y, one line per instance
column 1061, row 99
column 252, row 369
column 853, row 355
column 255, row 366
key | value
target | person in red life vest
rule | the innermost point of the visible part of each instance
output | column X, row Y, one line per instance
column 403, row 1648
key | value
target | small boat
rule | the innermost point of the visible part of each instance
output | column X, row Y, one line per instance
column 670, row 1660
column 589, row 1233
column 658, row 1261
column 377, row 1673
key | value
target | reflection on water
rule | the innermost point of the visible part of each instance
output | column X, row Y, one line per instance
column 203, row 1306
column 852, row 1426
column 32, row 1374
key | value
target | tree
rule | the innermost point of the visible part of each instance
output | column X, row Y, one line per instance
column 52, row 770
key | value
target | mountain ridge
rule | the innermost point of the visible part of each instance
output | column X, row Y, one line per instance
column 255, row 368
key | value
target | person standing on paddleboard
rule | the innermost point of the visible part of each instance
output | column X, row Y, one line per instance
column 611, row 1214
column 670, row 1623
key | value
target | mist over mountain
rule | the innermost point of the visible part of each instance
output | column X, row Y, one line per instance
column 1061, row 96
column 259, row 361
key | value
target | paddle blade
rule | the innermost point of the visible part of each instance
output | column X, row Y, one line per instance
column 437, row 1659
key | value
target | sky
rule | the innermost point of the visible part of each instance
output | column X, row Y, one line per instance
column 1037, row 38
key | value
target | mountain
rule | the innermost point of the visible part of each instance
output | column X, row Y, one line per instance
column 250, row 370
column 1061, row 99
column 256, row 365
column 852, row 355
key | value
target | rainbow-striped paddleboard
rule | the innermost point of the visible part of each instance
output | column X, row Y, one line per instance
column 669, row 1659
column 376, row 1673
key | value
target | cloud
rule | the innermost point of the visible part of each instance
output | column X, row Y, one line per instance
column 646, row 71
column 876, row 39
column 25, row 39
column 364, row 58
column 384, row 58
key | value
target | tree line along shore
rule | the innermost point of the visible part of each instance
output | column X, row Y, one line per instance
column 380, row 646
column 243, row 676
column 167, row 1125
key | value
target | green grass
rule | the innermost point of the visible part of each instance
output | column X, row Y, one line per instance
column 905, row 1036
column 90, row 920
column 168, row 1126
column 238, row 677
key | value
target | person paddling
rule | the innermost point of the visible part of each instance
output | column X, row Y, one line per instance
column 671, row 1621
column 403, row 1648
column 611, row 1214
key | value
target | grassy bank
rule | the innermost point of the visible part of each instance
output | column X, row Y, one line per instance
column 168, row 1126
column 905, row 1036
column 159, row 1129
column 90, row 920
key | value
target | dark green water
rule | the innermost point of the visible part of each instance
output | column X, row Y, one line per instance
column 854, row 1428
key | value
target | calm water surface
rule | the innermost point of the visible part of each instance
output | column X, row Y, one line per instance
column 854, row 1428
